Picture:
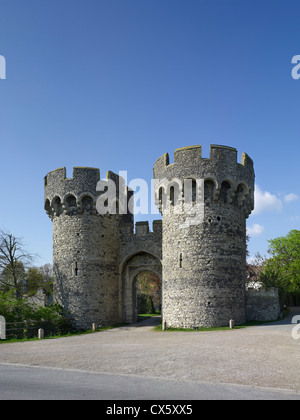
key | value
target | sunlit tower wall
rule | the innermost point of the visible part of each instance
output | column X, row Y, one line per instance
column 204, row 204
column 86, row 247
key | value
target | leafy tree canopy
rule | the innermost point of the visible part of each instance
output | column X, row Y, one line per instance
column 283, row 268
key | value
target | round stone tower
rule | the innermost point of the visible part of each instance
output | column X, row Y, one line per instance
column 204, row 205
column 85, row 248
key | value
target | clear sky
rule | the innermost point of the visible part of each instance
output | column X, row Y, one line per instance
column 114, row 84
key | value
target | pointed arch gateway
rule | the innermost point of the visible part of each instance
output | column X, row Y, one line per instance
column 134, row 265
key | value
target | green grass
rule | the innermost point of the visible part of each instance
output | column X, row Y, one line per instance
column 70, row 334
column 141, row 317
column 236, row 327
column 159, row 328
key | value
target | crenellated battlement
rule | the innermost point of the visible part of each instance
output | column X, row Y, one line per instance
column 219, row 178
column 141, row 240
column 191, row 155
column 83, row 178
column 79, row 194
column 142, row 228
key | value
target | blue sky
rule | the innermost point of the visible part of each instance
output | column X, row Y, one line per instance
column 114, row 84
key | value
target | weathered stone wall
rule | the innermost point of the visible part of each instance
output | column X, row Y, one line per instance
column 262, row 304
column 133, row 266
column 86, row 249
column 139, row 251
column 204, row 254
column 141, row 240
column 85, row 260
column 201, row 242
column 92, row 253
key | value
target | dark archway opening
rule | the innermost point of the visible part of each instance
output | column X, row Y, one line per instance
column 133, row 278
column 148, row 293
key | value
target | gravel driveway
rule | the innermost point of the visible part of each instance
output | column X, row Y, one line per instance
column 265, row 356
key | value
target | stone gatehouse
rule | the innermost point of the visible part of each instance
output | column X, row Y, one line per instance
column 198, row 249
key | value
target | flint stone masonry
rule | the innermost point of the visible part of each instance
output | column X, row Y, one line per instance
column 262, row 304
column 198, row 249
column 204, row 264
column 92, row 252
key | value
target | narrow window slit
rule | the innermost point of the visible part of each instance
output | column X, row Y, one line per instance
column 180, row 260
column 76, row 269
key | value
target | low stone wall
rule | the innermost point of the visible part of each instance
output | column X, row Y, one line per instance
column 262, row 304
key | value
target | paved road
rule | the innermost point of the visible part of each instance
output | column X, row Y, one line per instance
column 39, row 383
column 135, row 362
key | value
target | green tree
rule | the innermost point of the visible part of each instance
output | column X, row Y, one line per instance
column 34, row 281
column 283, row 268
column 13, row 278
column 149, row 283
column 47, row 272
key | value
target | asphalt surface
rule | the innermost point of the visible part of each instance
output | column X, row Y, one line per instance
column 135, row 362
column 19, row 382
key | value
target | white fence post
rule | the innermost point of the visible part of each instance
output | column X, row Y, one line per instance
column 40, row 333
column 2, row 328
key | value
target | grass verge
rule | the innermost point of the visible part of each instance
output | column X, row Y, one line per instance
column 236, row 327
column 70, row 334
